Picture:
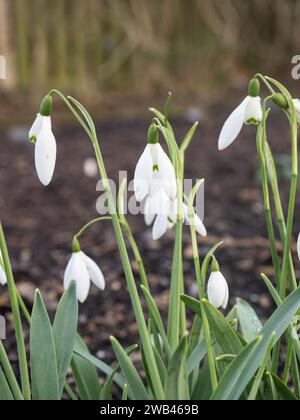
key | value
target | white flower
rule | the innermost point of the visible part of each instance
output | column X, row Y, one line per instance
column 248, row 112
column 83, row 270
column 45, row 148
column 163, row 212
column 3, row 278
column 154, row 170
column 217, row 289
column 297, row 109
column 298, row 246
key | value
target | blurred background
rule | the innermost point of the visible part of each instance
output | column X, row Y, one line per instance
column 119, row 57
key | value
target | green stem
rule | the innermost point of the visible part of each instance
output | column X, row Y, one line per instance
column 91, row 223
column 145, row 337
column 16, row 318
column 9, row 373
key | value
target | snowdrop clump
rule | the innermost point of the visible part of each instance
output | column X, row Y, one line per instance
column 216, row 356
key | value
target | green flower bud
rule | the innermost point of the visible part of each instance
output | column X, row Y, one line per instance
column 215, row 265
column 280, row 100
column 75, row 245
column 254, row 88
column 153, row 135
column 46, row 106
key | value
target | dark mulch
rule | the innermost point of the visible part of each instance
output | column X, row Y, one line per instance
column 39, row 223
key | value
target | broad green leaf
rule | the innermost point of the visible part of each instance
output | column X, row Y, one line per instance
column 203, row 389
column 44, row 375
column 156, row 318
column 132, row 377
column 198, row 355
column 5, row 392
column 278, row 323
column 259, row 377
column 176, row 385
column 283, row 392
column 64, row 331
column 235, row 373
column 249, row 321
column 85, row 373
column 225, row 334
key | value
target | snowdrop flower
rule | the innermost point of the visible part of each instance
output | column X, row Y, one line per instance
column 248, row 112
column 217, row 289
column 45, row 144
column 3, row 279
column 82, row 269
column 163, row 212
column 154, row 170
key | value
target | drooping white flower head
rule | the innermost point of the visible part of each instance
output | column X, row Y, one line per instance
column 217, row 289
column 45, row 143
column 82, row 269
column 154, row 170
column 163, row 212
column 3, row 278
column 248, row 112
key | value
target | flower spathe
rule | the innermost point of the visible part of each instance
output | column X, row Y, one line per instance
column 82, row 269
column 218, row 291
column 154, row 170
column 45, row 148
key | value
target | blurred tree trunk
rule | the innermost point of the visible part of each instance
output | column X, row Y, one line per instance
column 40, row 52
column 6, row 47
column 21, row 9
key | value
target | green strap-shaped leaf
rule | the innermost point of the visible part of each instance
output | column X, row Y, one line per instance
column 85, row 373
column 283, row 392
column 176, row 386
column 64, row 331
column 5, row 392
column 249, row 321
column 44, row 374
column 133, row 379
column 278, row 323
column 224, row 333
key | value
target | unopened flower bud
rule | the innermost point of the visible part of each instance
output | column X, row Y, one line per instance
column 280, row 100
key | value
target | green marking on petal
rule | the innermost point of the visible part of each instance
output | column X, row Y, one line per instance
column 252, row 121
column 155, row 168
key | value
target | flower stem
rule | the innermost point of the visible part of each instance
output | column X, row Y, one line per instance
column 9, row 373
column 16, row 318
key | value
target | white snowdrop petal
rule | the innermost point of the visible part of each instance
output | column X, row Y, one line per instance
column 298, row 246
column 149, row 214
column 36, row 127
column 216, row 289
column 160, row 226
column 297, row 109
column 45, row 154
column 232, row 127
column 3, row 279
column 143, row 175
column 253, row 110
column 166, row 173
column 95, row 272
column 77, row 271
column 226, row 297
column 200, row 228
